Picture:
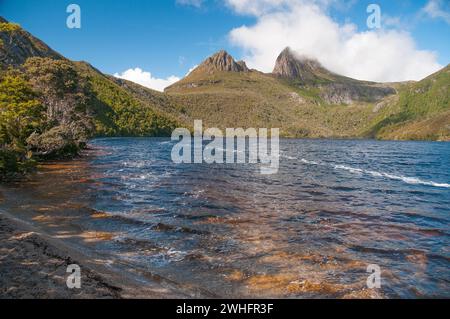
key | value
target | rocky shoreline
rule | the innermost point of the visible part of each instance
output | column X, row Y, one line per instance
column 34, row 266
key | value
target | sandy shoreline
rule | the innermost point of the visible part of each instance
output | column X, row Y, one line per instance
column 33, row 265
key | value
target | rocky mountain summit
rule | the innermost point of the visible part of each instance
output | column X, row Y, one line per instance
column 334, row 88
column 212, row 70
column 292, row 66
column 222, row 62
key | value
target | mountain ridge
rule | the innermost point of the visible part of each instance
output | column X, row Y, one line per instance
column 296, row 71
column 304, row 99
column 298, row 89
column 50, row 106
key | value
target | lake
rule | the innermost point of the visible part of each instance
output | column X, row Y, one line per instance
column 226, row 230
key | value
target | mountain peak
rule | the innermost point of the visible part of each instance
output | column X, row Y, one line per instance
column 222, row 61
column 293, row 66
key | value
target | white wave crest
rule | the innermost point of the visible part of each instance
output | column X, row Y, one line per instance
column 408, row 180
column 309, row 162
column 405, row 179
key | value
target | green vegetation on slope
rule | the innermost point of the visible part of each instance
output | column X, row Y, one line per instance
column 17, row 45
column 75, row 102
column 421, row 111
column 118, row 113
column 254, row 99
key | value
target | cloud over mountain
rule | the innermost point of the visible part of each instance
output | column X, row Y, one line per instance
column 379, row 55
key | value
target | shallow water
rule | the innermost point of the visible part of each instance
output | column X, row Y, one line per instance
column 309, row 231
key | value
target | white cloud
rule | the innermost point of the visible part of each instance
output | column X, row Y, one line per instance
column 255, row 7
column 378, row 55
column 436, row 9
column 193, row 3
column 261, row 7
column 192, row 69
column 146, row 79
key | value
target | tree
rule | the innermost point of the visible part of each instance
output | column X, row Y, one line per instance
column 21, row 113
column 62, row 90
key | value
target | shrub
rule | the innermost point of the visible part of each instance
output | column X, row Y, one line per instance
column 9, row 27
column 8, row 162
column 60, row 141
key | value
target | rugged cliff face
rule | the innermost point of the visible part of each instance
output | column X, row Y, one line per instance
column 212, row 70
column 334, row 89
column 222, row 62
column 291, row 66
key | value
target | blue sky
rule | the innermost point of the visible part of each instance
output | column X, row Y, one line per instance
column 169, row 37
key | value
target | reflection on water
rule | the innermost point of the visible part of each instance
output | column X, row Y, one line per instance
column 309, row 231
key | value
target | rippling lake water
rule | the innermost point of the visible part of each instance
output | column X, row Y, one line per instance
column 311, row 230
